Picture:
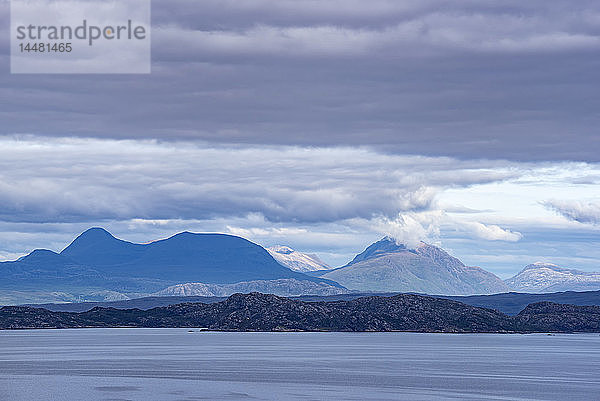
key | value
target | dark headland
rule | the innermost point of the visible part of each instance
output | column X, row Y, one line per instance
column 261, row 312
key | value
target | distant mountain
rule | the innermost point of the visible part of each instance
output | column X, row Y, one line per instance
column 298, row 261
column 184, row 257
column 284, row 287
column 545, row 277
column 44, row 270
column 42, row 264
column 98, row 263
column 386, row 266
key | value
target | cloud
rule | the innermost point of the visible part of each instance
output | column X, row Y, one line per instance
column 423, row 35
column 76, row 180
column 583, row 212
column 411, row 228
column 491, row 232
column 333, row 201
column 467, row 79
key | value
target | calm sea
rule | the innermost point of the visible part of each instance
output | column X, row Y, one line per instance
column 174, row 364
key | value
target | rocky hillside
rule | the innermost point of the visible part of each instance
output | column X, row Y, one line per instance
column 549, row 316
column 260, row 312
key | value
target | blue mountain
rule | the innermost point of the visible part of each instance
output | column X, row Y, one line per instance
column 98, row 247
column 42, row 265
column 97, row 261
column 184, row 257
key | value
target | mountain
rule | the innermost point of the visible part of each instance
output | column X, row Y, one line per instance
column 97, row 263
column 98, row 247
column 42, row 270
column 546, row 277
column 298, row 261
column 285, row 287
column 184, row 257
column 260, row 312
column 42, row 264
column 386, row 266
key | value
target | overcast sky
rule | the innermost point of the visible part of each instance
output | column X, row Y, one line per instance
column 323, row 125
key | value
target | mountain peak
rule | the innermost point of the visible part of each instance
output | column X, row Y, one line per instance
column 98, row 246
column 385, row 245
column 544, row 265
column 94, row 234
column 282, row 249
column 40, row 255
column 92, row 237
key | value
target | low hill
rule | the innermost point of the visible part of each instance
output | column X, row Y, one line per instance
column 260, row 312
column 508, row 303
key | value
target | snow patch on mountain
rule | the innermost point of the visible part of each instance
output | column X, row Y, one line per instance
column 548, row 277
column 295, row 260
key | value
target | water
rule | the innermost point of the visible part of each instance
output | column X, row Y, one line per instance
column 174, row 364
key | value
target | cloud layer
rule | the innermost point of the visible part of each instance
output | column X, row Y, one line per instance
column 583, row 212
column 322, row 125
column 467, row 79
column 334, row 201
column 74, row 180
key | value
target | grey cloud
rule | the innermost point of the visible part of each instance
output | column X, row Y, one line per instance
column 77, row 180
column 583, row 212
column 468, row 79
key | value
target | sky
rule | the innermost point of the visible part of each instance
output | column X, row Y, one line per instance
column 322, row 125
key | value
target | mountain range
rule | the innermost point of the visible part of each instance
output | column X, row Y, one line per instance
column 96, row 266
column 96, row 262
column 386, row 266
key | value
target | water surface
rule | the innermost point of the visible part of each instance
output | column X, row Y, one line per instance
column 174, row 364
